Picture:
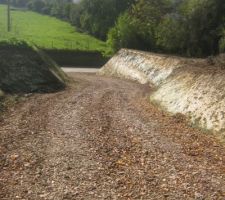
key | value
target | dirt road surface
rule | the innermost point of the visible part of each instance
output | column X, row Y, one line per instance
column 102, row 139
column 77, row 69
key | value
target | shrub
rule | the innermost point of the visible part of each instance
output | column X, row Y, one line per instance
column 129, row 32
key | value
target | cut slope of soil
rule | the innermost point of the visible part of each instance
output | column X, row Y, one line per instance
column 192, row 87
column 25, row 69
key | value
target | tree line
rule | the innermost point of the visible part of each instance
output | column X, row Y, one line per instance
column 184, row 27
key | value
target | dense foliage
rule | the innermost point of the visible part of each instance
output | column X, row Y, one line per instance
column 188, row 27
column 184, row 27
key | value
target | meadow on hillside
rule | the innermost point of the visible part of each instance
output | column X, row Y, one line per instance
column 46, row 32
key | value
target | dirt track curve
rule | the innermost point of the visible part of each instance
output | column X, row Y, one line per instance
column 102, row 139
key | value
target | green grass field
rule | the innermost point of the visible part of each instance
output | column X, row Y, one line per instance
column 46, row 32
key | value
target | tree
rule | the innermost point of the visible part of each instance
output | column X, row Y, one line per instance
column 171, row 35
column 124, row 34
column 137, row 28
column 204, row 20
column 98, row 16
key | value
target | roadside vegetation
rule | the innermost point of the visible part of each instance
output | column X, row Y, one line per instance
column 184, row 27
column 46, row 32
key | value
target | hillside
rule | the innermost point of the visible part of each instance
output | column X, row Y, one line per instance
column 46, row 32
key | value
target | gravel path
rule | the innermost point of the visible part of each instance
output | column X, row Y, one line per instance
column 102, row 139
column 83, row 70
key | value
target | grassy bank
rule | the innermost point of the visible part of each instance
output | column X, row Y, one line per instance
column 47, row 32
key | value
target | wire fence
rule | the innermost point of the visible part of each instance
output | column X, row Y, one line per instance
column 42, row 42
column 18, row 32
column 66, row 44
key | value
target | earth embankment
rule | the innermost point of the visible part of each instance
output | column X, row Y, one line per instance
column 193, row 87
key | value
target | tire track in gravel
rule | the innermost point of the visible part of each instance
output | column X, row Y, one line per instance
column 102, row 139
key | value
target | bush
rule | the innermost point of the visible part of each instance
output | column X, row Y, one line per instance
column 129, row 32
column 171, row 35
column 13, row 42
column 137, row 27
column 123, row 34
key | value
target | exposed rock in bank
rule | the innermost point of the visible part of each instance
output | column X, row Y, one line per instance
column 193, row 87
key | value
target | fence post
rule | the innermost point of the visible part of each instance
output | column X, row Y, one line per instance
column 88, row 44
